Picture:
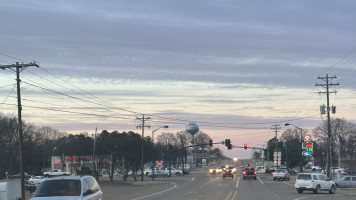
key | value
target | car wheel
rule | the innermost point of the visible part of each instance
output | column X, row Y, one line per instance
column 244, row 178
column 177, row 174
column 274, row 179
column 223, row 176
column 317, row 190
column 300, row 191
column 332, row 189
column 255, row 178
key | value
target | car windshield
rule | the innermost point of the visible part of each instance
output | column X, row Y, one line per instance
column 304, row 177
column 59, row 188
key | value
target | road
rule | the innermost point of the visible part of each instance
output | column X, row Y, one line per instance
column 201, row 186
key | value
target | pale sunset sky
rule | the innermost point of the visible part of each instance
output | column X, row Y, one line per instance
column 235, row 68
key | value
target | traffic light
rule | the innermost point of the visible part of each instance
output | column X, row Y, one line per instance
column 245, row 146
column 210, row 143
column 227, row 142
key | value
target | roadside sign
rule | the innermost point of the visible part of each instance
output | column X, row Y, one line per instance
column 159, row 163
column 307, row 138
column 307, row 153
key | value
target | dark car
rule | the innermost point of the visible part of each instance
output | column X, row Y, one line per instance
column 349, row 171
column 249, row 173
column 228, row 173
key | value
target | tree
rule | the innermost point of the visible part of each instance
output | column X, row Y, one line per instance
column 346, row 130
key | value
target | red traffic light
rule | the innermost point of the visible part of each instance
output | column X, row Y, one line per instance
column 245, row 146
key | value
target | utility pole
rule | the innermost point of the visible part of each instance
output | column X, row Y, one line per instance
column 19, row 66
column 92, row 171
column 276, row 127
column 327, row 85
column 142, row 126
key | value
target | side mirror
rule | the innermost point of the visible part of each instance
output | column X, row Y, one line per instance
column 89, row 191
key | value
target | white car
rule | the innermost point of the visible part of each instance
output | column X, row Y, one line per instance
column 316, row 167
column 336, row 170
column 37, row 179
column 315, row 182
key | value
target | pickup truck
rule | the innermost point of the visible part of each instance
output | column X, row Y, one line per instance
column 249, row 173
column 175, row 171
column 281, row 174
column 56, row 172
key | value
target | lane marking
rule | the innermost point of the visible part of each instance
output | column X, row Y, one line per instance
column 260, row 180
column 150, row 195
column 233, row 197
column 237, row 183
column 210, row 181
column 193, row 178
column 228, row 196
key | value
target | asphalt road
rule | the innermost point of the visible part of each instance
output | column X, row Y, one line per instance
column 201, row 186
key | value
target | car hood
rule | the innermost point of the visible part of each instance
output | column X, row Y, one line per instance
column 57, row 198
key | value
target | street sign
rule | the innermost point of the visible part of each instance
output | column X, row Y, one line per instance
column 159, row 163
column 307, row 153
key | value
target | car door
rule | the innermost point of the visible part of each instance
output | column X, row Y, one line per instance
column 322, row 181
column 346, row 182
column 353, row 181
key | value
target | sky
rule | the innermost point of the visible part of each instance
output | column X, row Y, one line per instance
column 235, row 68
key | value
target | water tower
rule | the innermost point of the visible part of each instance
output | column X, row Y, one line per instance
column 193, row 129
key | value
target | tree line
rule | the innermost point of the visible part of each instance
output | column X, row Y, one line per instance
column 123, row 149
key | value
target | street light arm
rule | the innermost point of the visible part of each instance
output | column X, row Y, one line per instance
column 286, row 124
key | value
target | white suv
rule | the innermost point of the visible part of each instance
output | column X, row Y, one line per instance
column 69, row 187
column 315, row 182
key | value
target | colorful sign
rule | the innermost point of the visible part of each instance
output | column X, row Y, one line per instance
column 307, row 153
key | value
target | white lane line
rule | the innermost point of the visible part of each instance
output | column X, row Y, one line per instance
column 193, row 178
column 260, row 180
column 237, row 183
column 150, row 195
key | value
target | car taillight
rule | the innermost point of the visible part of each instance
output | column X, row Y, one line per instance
column 244, row 173
column 255, row 173
column 272, row 173
column 312, row 182
column 284, row 174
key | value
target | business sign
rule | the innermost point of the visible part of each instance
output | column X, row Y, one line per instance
column 159, row 163
column 307, row 138
column 307, row 153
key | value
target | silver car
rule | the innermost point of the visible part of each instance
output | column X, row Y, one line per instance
column 69, row 187
column 346, row 181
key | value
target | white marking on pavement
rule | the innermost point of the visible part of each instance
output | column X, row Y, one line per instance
column 193, row 178
column 302, row 198
column 150, row 195
column 260, row 180
column 237, row 183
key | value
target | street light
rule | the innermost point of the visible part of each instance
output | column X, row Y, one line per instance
column 54, row 154
column 301, row 140
column 153, row 132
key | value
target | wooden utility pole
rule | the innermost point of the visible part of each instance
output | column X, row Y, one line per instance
column 327, row 85
column 19, row 66
column 142, row 126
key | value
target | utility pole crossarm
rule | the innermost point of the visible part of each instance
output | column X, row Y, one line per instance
column 19, row 65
